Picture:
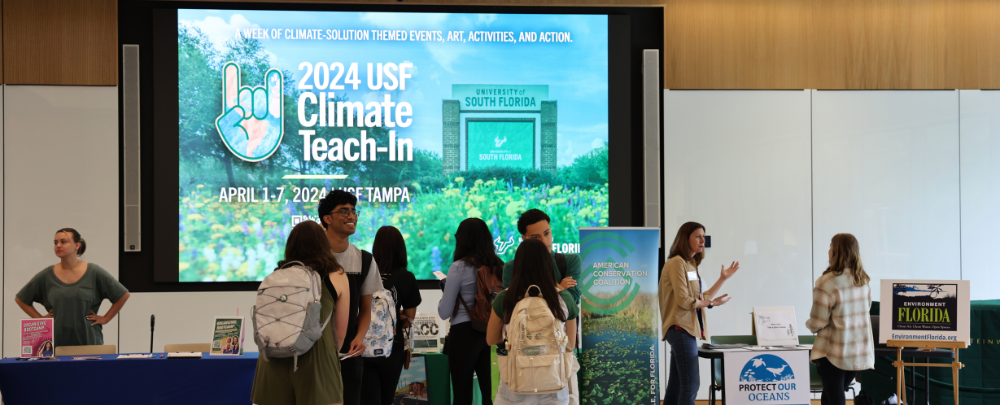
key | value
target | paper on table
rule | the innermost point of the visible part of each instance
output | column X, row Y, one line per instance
column 775, row 326
column 184, row 355
column 134, row 356
column 735, row 349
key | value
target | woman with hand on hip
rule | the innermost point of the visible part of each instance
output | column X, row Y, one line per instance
column 682, row 310
column 72, row 291
column 839, row 318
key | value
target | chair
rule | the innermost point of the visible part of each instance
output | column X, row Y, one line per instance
column 85, row 350
column 188, row 347
column 815, row 382
column 717, row 377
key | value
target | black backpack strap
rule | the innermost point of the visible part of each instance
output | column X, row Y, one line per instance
column 561, row 263
column 366, row 265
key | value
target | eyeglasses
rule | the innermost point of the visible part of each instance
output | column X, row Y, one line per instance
column 346, row 213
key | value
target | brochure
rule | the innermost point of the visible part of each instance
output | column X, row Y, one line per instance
column 227, row 336
column 37, row 337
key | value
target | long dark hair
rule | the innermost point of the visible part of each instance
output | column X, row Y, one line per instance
column 389, row 250
column 474, row 245
column 682, row 243
column 846, row 254
column 532, row 266
column 307, row 243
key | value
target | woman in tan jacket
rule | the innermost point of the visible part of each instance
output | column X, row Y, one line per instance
column 682, row 305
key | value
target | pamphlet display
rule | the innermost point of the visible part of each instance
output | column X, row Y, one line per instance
column 775, row 326
column 779, row 377
column 37, row 337
column 934, row 310
column 427, row 332
column 227, row 336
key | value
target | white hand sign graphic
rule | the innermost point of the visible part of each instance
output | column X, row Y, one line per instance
column 251, row 120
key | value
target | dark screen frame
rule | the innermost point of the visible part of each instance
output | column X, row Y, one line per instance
column 152, row 25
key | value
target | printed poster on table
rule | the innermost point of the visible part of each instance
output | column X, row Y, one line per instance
column 767, row 378
column 227, row 336
column 426, row 331
column 924, row 310
column 620, row 316
column 412, row 386
column 37, row 337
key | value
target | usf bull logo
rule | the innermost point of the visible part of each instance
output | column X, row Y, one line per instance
column 606, row 304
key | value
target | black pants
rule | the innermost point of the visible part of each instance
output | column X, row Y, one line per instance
column 835, row 381
column 468, row 352
column 381, row 376
column 351, row 372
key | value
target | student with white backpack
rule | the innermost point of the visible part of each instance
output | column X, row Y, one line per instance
column 538, row 330
column 306, row 369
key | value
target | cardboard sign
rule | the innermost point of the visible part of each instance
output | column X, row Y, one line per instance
column 767, row 377
column 924, row 310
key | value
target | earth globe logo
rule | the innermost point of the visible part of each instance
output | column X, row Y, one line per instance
column 766, row 368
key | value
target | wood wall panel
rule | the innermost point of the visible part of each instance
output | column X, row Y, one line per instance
column 62, row 42
column 831, row 44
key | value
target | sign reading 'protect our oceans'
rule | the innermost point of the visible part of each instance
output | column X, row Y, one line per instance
column 620, row 316
column 767, row 377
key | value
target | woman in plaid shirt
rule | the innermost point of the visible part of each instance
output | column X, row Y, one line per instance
column 840, row 320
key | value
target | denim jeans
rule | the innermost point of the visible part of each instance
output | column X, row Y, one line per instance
column 684, row 380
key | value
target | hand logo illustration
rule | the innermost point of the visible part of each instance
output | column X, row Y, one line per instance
column 251, row 122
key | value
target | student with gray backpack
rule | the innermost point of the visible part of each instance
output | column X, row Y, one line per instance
column 297, row 338
column 382, row 370
column 537, row 329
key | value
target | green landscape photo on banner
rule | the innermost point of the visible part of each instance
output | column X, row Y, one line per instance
column 620, row 316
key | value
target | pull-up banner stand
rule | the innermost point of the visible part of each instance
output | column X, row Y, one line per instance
column 620, row 316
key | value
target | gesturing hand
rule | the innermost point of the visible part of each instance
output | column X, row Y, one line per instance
column 567, row 282
column 721, row 300
column 727, row 273
column 250, row 124
column 98, row 319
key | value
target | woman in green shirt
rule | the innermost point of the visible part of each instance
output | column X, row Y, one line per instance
column 72, row 291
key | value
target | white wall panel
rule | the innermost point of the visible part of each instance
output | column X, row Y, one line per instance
column 980, row 169
column 738, row 163
column 885, row 168
column 61, row 170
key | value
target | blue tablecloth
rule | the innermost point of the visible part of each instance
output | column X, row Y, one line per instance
column 208, row 380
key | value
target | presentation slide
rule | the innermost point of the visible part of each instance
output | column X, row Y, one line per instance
column 428, row 118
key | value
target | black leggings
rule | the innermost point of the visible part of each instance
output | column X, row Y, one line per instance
column 381, row 375
column 835, row 381
column 468, row 352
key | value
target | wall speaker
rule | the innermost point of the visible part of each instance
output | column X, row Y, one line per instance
column 130, row 150
column 651, row 92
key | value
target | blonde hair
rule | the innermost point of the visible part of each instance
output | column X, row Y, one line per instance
column 845, row 253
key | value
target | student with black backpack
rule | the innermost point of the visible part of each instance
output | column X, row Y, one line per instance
column 340, row 218
column 468, row 292
column 535, row 224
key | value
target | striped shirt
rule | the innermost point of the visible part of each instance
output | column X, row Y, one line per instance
column 840, row 320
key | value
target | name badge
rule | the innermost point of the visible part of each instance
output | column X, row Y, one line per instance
column 692, row 276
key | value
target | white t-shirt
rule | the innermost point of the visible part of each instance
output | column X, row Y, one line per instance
column 350, row 260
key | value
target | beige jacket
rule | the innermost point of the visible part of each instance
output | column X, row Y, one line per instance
column 840, row 320
column 679, row 295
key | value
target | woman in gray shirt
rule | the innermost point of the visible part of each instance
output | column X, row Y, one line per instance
column 72, row 291
column 467, row 348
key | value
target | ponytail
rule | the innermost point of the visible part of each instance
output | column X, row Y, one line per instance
column 76, row 238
